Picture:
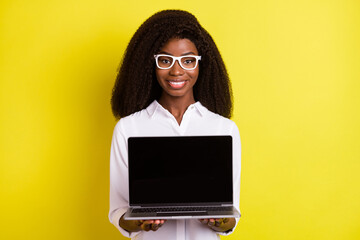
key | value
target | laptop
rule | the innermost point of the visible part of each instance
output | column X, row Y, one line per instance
column 180, row 177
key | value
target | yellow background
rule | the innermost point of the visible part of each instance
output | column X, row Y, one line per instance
column 295, row 70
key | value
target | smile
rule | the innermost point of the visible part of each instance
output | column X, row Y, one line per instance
column 176, row 84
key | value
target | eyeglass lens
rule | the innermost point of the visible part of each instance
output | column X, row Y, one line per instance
column 186, row 62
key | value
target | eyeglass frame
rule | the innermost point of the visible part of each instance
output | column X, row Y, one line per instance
column 198, row 58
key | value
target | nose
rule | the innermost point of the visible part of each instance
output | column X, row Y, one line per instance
column 176, row 69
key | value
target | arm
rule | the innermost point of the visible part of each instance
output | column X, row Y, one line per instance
column 227, row 225
column 119, row 196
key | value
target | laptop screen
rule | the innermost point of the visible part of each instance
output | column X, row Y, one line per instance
column 180, row 170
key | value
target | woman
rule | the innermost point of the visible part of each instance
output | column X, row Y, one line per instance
column 172, row 82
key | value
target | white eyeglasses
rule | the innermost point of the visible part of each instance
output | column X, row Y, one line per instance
column 188, row 62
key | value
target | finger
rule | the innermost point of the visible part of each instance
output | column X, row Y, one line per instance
column 161, row 222
column 211, row 222
column 146, row 226
column 218, row 222
column 154, row 227
column 204, row 221
column 139, row 222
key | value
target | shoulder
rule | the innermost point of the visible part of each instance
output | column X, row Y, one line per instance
column 136, row 118
column 211, row 116
column 124, row 122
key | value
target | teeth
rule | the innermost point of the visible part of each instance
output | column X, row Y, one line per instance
column 177, row 83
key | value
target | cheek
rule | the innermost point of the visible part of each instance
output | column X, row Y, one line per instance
column 195, row 74
column 158, row 74
column 161, row 72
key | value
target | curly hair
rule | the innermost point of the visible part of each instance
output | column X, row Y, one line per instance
column 136, row 85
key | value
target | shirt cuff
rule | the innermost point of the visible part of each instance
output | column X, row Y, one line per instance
column 115, row 221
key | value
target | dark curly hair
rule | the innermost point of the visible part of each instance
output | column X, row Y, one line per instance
column 136, row 85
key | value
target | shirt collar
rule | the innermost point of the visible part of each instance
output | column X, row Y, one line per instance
column 155, row 107
column 151, row 109
column 200, row 108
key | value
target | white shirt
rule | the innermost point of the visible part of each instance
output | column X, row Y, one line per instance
column 157, row 121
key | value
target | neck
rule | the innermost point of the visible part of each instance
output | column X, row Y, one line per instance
column 176, row 105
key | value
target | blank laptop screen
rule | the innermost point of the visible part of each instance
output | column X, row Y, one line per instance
column 180, row 170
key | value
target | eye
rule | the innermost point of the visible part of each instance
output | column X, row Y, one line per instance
column 188, row 61
column 166, row 61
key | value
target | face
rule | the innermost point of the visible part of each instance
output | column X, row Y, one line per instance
column 176, row 81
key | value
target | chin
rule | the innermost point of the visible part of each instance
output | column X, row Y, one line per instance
column 177, row 93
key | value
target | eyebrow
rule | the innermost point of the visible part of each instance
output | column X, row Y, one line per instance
column 188, row 53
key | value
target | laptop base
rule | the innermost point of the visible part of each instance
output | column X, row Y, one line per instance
column 228, row 213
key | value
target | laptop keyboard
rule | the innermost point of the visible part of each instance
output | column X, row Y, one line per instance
column 182, row 209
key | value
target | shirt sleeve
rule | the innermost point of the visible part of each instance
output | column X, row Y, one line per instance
column 119, row 195
column 236, row 173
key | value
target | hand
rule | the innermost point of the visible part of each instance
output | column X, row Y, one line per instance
column 148, row 225
column 219, row 224
column 138, row 225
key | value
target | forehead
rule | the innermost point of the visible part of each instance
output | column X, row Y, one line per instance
column 178, row 47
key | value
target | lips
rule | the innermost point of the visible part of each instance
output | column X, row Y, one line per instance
column 176, row 84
